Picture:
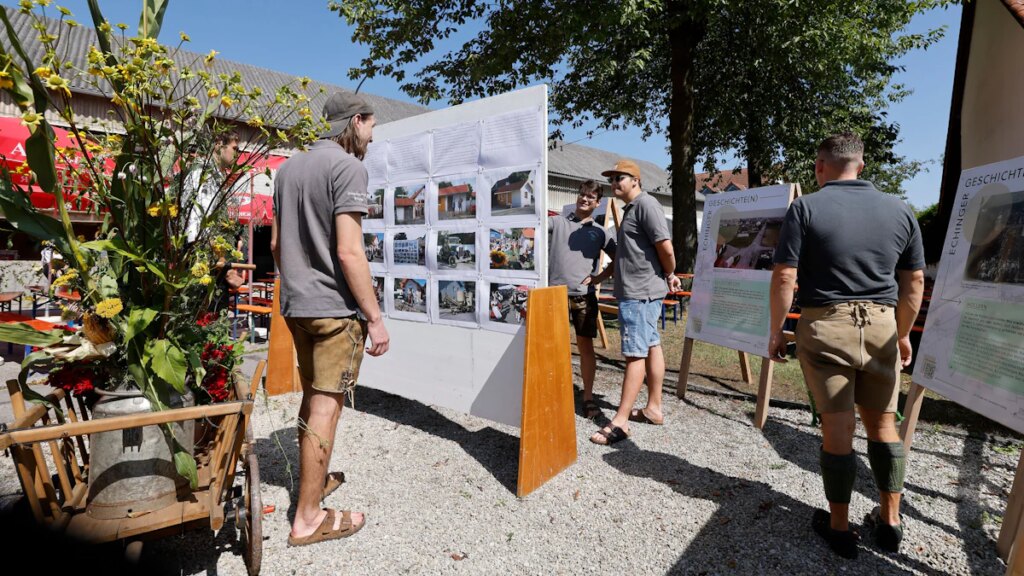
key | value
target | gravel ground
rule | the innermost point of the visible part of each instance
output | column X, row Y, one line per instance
column 705, row 494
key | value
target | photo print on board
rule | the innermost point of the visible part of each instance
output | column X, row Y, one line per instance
column 456, row 301
column 747, row 243
column 375, row 203
column 506, row 304
column 379, row 291
column 456, row 198
column 456, row 250
column 410, row 203
column 409, row 248
column 513, row 193
column 410, row 298
column 997, row 241
column 373, row 245
column 512, row 249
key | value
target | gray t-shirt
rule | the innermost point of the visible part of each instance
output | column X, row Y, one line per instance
column 309, row 190
column 574, row 252
column 638, row 272
column 847, row 241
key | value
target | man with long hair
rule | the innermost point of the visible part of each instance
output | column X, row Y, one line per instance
column 327, row 298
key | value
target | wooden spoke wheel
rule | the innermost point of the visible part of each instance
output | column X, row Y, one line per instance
column 252, row 527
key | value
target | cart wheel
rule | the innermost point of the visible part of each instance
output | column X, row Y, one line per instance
column 252, row 530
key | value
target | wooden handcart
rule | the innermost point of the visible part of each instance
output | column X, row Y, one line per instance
column 56, row 484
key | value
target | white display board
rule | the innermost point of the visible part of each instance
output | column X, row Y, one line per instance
column 457, row 235
column 972, row 349
column 729, row 305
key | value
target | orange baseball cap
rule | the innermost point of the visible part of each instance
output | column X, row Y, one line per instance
column 627, row 167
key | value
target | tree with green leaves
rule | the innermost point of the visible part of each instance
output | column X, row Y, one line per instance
column 768, row 79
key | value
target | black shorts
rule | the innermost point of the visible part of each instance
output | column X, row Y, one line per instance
column 583, row 315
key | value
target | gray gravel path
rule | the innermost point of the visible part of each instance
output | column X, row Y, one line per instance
column 705, row 494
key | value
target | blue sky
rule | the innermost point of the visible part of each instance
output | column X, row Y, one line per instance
column 302, row 37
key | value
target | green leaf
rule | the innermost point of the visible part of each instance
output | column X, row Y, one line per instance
column 108, row 287
column 168, row 362
column 22, row 333
column 40, row 151
column 138, row 320
column 185, row 464
column 39, row 98
column 118, row 245
column 21, row 214
column 152, row 18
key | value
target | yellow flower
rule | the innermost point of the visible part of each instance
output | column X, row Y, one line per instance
column 200, row 269
column 153, row 210
column 122, row 26
column 209, row 57
column 43, row 3
column 26, row 6
column 226, row 101
column 55, row 82
column 117, row 100
column 213, row 92
column 255, row 122
column 205, row 280
column 105, row 27
column 64, row 10
column 43, row 72
column 31, row 119
column 65, row 278
column 304, row 81
column 172, row 211
column 184, row 37
column 109, row 308
column 6, row 81
column 236, row 255
column 80, row 238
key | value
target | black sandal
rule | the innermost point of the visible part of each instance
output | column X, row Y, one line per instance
column 612, row 436
column 590, row 409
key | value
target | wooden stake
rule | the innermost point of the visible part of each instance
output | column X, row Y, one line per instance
column 745, row 367
column 684, row 368
column 547, row 441
column 764, row 393
column 281, row 367
column 1012, row 517
column 911, row 412
column 1015, row 565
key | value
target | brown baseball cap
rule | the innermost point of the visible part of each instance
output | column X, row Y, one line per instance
column 627, row 167
column 339, row 108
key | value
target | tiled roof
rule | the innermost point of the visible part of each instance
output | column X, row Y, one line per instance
column 578, row 161
column 719, row 181
column 451, row 190
column 509, row 187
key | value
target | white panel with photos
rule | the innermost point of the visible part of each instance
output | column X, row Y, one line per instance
column 436, row 224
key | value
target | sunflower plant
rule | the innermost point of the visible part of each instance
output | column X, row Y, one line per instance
column 144, row 286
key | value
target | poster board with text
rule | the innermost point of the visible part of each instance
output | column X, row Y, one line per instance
column 972, row 349
column 733, row 269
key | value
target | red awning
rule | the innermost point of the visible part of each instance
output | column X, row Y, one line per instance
column 260, row 211
column 271, row 161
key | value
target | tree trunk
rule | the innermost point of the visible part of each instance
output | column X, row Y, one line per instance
column 683, row 40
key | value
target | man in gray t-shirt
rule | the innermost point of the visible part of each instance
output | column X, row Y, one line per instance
column 857, row 253
column 326, row 292
column 574, row 255
column 644, row 264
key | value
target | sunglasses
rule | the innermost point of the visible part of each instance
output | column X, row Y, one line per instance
column 617, row 178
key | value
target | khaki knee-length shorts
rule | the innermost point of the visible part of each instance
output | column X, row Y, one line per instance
column 329, row 351
column 849, row 355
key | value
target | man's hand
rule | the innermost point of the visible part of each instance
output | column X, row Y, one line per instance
column 234, row 278
column 906, row 351
column 379, row 339
column 777, row 347
column 674, row 283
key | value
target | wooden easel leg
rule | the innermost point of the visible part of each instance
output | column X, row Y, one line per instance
column 764, row 393
column 684, row 368
column 1015, row 565
column 1012, row 518
column 911, row 411
column 745, row 367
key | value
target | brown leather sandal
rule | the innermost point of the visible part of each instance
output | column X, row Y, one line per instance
column 334, row 480
column 638, row 415
column 590, row 409
column 612, row 436
column 326, row 529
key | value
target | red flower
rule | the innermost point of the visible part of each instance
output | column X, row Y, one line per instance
column 216, row 384
column 206, row 319
column 78, row 380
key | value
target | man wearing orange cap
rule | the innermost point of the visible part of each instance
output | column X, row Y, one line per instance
column 644, row 262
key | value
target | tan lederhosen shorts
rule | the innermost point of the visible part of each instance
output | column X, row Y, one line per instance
column 849, row 355
column 329, row 350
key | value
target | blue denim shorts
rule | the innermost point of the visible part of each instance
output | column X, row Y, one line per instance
column 639, row 326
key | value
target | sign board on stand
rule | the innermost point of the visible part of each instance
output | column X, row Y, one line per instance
column 732, row 274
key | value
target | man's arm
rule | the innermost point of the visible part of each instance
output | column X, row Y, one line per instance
column 782, row 286
column 667, row 259
column 275, row 249
column 595, row 279
column 356, row 269
column 911, row 284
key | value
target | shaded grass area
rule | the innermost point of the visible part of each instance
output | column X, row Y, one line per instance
column 718, row 368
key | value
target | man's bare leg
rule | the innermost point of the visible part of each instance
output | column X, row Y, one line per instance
column 837, row 439
column 632, row 380
column 588, row 365
column 655, row 365
column 881, row 427
column 318, row 421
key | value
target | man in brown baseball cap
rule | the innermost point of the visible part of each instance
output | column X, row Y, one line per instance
column 645, row 262
column 339, row 110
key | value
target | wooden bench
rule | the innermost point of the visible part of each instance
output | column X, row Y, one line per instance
column 41, row 325
column 252, row 311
